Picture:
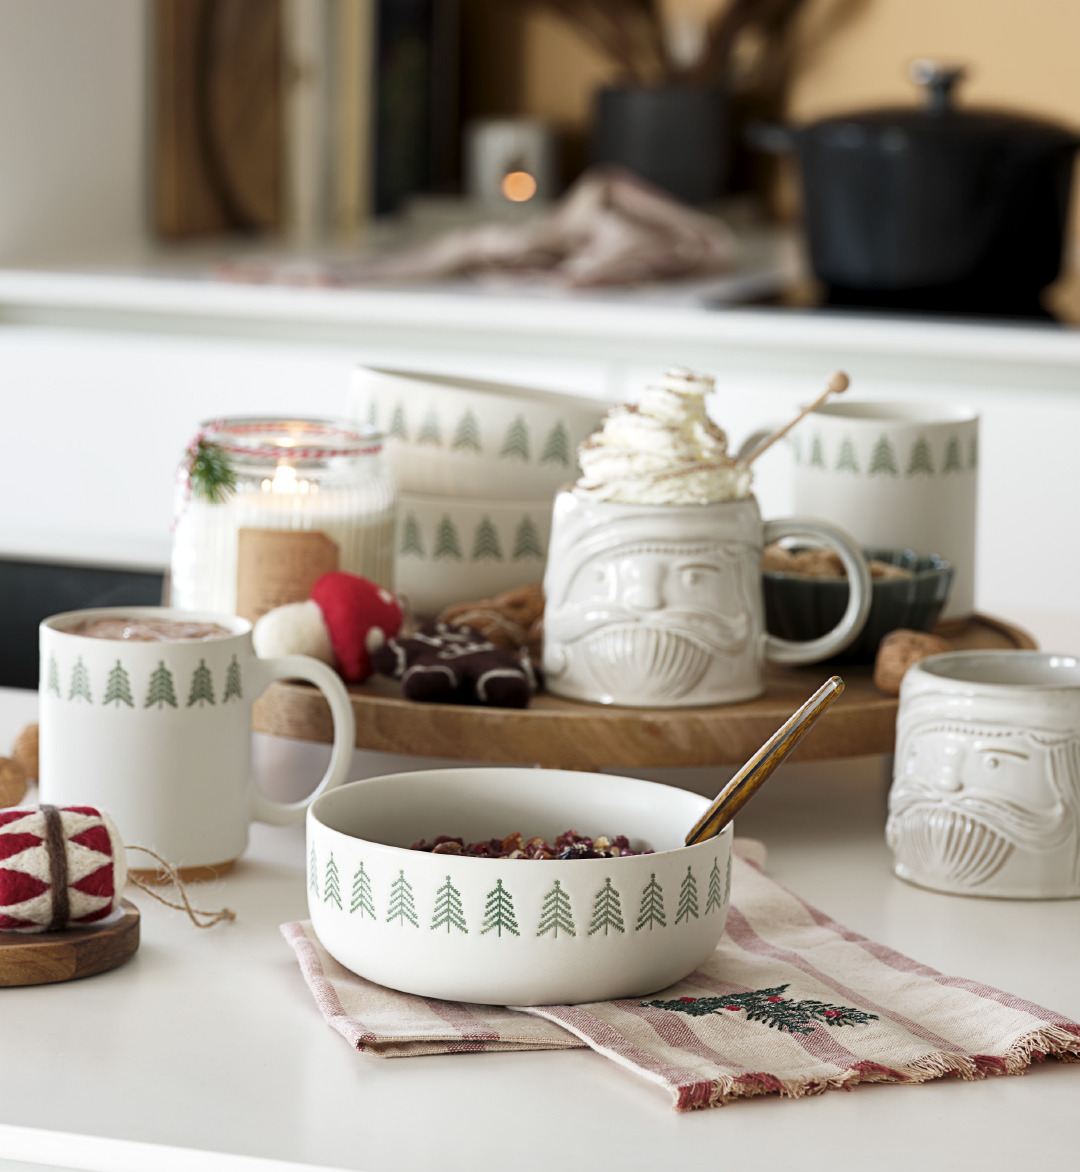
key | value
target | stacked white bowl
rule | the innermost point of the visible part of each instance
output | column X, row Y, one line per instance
column 477, row 466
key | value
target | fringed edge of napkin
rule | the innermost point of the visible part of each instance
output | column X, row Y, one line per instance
column 1048, row 1042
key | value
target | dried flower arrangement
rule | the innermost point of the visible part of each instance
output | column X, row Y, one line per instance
column 744, row 47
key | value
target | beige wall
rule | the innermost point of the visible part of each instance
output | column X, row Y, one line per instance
column 1022, row 54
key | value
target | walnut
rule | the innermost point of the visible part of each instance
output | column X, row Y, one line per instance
column 898, row 651
column 25, row 751
column 12, row 782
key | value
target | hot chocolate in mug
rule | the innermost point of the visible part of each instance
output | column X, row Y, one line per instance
column 157, row 731
column 660, row 606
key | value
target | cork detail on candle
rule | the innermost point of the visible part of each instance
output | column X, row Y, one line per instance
column 278, row 566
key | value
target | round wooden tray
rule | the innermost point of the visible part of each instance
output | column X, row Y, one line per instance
column 563, row 734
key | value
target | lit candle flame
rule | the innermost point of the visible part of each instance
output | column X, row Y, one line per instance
column 518, row 186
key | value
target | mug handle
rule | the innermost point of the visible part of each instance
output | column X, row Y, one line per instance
column 304, row 667
column 791, row 651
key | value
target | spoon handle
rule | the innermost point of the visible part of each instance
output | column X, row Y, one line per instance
column 750, row 776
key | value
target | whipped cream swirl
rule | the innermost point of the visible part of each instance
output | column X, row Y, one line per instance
column 663, row 450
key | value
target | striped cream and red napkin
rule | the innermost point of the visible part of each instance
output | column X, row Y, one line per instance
column 791, row 1003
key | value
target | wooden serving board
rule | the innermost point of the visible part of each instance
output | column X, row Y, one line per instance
column 48, row 957
column 564, row 734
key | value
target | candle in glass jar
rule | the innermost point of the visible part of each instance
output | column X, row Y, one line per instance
column 310, row 496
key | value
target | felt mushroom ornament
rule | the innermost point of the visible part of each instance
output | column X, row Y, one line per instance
column 342, row 622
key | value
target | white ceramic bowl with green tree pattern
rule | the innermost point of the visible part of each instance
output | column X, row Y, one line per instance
column 514, row 931
column 449, row 550
column 466, row 437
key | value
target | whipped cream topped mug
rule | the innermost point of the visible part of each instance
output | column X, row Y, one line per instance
column 660, row 605
column 985, row 797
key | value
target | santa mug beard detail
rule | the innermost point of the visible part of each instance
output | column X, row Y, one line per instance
column 663, row 658
column 965, row 839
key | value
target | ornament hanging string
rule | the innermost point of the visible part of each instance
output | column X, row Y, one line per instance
column 199, row 917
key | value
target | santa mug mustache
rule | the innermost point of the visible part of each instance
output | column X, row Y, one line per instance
column 661, row 605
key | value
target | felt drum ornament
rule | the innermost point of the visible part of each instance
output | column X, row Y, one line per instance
column 59, row 868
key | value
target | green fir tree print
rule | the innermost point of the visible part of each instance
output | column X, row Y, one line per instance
column 466, row 434
column 607, row 911
column 714, row 901
column 499, row 912
column 727, row 879
column 973, row 453
column 370, row 418
column 80, row 682
column 846, row 461
column 313, row 873
column 430, row 432
column 954, row 461
column 557, row 446
column 652, row 912
column 402, row 908
column 447, row 544
column 448, row 911
column 397, row 423
column 527, row 542
column 688, row 899
column 411, row 541
column 160, row 690
column 883, row 459
column 54, row 677
column 516, row 443
column 361, row 893
column 486, row 542
column 921, row 462
column 232, row 682
column 817, row 453
column 118, row 687
column 796, row 447
column 332, row 884
column 202, row 686
column 556, row 913
column 771, row 1008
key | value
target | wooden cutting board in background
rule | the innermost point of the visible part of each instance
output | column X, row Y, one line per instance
column 218, row 122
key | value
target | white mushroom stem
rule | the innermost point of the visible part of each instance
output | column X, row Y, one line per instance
column 837, row 384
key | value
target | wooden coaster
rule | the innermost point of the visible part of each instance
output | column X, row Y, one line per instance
column 187, row 874
column 45, row 957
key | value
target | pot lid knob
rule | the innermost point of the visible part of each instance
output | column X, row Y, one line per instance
column 938, row 80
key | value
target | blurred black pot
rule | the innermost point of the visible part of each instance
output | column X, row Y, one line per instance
column 676, row 137
column 935, row 208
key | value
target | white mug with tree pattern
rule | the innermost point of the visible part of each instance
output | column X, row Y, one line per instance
column 158, row 734
column 895, row 475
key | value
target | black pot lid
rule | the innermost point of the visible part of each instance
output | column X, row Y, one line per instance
column 938, row 116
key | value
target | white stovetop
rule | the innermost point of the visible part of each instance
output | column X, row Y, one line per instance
column 207, row 1053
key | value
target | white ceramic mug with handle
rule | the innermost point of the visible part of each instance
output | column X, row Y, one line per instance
column 895, row 475
column 660, row 606
column 158, row 734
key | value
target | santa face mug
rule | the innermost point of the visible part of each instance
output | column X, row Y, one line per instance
column 660, row 606
column 155, row 729
column 985, row 797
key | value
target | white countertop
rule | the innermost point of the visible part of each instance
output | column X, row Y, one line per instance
column 178, row 292
column 206, row 1051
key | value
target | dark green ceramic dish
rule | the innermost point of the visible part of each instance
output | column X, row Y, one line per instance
column 800, row 607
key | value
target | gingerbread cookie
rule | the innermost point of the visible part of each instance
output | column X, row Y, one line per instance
column 456, row 665
column 511, row 620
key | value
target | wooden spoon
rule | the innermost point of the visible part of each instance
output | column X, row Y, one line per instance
column 838, row 383
column 741, row 788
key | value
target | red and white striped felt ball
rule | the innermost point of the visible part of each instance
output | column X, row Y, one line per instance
column 59, row 868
